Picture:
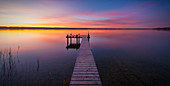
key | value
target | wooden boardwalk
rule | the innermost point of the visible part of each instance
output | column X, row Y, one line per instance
column 85, row 72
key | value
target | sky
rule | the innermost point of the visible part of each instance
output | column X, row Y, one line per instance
column 85, row 13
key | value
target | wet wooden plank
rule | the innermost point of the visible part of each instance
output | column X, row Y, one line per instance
column 86, row 79
column 87, row 67
column 85, row 82
column 86, row 72
column 79, row 73
column 85, row 85
column 90, row 75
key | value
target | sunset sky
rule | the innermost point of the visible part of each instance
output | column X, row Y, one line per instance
column 85, row 13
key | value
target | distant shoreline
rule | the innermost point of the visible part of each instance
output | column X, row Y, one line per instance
column 48, row 28
column 165, row 28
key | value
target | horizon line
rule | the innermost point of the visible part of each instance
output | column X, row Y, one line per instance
column 82, row 27
column 67, row 28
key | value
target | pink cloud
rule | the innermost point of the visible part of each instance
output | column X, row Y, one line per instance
column 58, row 13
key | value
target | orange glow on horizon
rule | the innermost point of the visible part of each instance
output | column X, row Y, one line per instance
column 55, row 26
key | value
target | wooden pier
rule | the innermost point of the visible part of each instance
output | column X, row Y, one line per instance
column 85, row 72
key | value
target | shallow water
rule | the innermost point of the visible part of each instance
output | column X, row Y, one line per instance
column 123, row 57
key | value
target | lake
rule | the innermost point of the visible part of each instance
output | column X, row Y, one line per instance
column 123, row 57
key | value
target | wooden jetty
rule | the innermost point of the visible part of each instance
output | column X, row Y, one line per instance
column 72, row 45
column 85, row 72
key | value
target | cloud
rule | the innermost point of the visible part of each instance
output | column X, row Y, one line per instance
column 51, row 13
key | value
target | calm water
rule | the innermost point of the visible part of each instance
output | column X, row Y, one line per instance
column 123, row 57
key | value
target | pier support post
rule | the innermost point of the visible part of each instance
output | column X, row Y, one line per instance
column 67, row 41
column 70, row 40
column 76, row 39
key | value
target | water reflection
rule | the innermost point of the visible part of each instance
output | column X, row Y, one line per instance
column 42, row 60
column 123, row 57
column 132, row 58
column 7, row 64
column 17, row 73
column 10, row 62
